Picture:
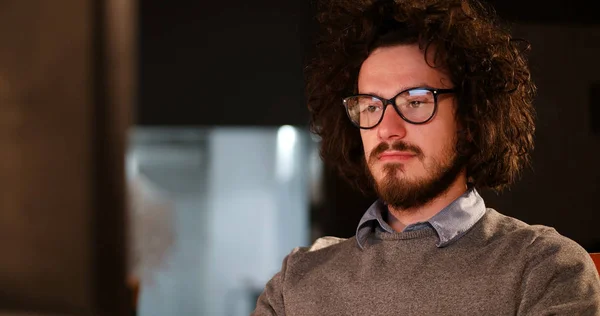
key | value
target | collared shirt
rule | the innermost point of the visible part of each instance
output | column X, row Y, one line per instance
column 450, row 224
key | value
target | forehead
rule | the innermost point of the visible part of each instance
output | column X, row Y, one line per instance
column 389, row 70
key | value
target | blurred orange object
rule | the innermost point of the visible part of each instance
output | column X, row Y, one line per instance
column 596, row 259
column 134, row 286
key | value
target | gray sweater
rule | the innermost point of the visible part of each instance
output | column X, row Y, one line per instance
column 502, row 266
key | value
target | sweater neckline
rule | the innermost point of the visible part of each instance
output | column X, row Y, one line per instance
column 413, row 234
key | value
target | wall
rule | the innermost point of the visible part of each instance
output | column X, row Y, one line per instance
column 241, row 204
column 257, row 214
column 563, row 187
column 66, row 83
column 169, row 168
column 222, row 62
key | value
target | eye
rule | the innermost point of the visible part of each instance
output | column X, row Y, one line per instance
column 415, row 104
column 371, row 108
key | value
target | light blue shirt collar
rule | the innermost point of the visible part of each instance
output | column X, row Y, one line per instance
column 450, row 224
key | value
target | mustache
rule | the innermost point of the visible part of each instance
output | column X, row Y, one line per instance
column 399, row 146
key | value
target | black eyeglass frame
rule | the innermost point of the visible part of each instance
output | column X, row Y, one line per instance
column 392, row 101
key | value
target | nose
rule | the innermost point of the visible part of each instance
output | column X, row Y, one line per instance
column 392, row 126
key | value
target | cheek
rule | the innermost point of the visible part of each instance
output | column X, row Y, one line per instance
column 434, row 138
column 368, row 140
column 442, row 140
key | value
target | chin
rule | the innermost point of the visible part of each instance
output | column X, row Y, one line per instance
column 405, row 176
column 397, row 169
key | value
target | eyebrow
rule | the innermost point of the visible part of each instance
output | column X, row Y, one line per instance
column 402, row 88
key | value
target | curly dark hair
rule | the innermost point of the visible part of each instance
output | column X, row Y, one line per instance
column 486, row 64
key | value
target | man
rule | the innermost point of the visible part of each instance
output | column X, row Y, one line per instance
column 427, row 102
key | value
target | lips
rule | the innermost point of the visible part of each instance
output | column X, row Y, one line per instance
column 399, row 151
column 396, row 155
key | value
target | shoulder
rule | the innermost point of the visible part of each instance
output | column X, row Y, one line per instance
column 548, row 243
column 296, row 266
column 325, row 250
column 320, row 243
column 324, row 246
column 494, row 225
column 533, row 241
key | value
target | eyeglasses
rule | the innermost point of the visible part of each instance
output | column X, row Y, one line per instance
column 415, row 105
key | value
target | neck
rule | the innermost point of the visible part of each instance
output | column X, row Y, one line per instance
column 399, row 219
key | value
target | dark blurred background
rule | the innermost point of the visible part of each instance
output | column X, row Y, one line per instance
column 198, row 107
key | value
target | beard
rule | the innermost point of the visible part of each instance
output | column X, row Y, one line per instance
column 401, row 192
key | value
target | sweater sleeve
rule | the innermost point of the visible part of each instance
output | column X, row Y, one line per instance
column 559, row 279
column 270, row 301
